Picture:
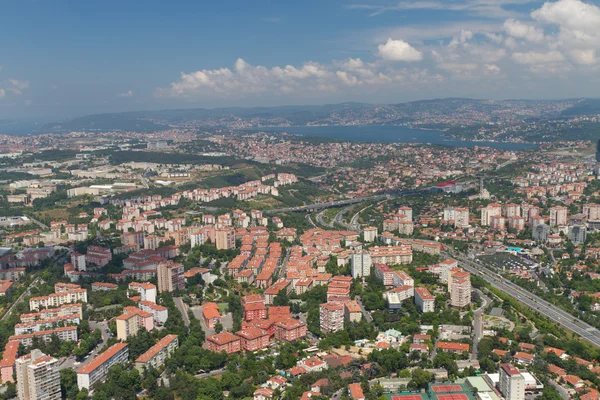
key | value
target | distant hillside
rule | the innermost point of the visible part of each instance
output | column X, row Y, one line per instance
column 435, row 112
column 583, row 107
column 105, row 122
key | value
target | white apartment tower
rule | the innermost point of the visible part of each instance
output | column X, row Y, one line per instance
column 38, row 377
column 361, row 264
column 512, row 383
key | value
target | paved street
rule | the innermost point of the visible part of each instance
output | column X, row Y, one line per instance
column 478, row 325
column 70, row 361
column 183, row 309
column 365, row 313
column 21, row 297
column 545, row 308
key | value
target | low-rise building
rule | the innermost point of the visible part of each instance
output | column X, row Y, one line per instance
column 157, row 355
column 424, row 300
column 97, row 369
column 224, row 341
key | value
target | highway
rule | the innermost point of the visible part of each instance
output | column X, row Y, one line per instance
column 21, row 297
column 545, row 308
column 347, row 202
column 318, row 206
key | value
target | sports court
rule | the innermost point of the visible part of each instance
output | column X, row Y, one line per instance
column 451, row 396
column 446, row 388
column 408, row 397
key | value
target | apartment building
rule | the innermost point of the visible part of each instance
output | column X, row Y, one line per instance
column 459, row 215
column 131, row 321
column 370, row 234
column 488, row 212
column 331, row 317
column 385, row 274
column 7, row 364
column 352, row 311
column 159, row 313
column 170, row 276
column 225, row 238
column 253, row 339
column 391, row 255
column 445, row 267
column 592, row 211
column 401, row 278
column 558, row 216
column 211, row 314
column 146, row 290
column 288, row 329
column 58, row 299
column 512, row 383
column 63, row 333
column 361, row 264
column 97, row 369
column 424, row 300
column 460, row 289
column 97, row 255
column 157, row 355
column 38, row 377
column 224, row 341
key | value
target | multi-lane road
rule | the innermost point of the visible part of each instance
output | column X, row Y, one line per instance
column 549, row 310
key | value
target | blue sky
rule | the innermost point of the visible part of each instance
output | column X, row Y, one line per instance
column 66, row 58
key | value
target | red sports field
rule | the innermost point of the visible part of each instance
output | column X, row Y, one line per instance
column 454, row 396
column 446, row 388
column 407, row 397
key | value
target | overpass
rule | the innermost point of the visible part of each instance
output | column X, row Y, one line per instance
column 340, row 203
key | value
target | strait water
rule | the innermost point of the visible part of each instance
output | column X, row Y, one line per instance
column 391, row 134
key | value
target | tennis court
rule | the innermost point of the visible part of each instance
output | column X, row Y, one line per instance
column 452, row 396
column 446, row 388
column 407, row 397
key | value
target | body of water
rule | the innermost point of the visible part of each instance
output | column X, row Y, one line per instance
column 391, row 134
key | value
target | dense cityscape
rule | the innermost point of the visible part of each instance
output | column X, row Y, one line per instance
column 195, row 265
column 277, row 200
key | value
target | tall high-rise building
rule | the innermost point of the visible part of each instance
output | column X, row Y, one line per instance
column 331, row 317
column 512, row 383
column 38, row 377
column 577, row 233
column 488, row 212
column 558, row 215
column 225, row 238
column 361, row 264
column 459, row 286
column 598, row 151
column 170, row 276
column 540, row 233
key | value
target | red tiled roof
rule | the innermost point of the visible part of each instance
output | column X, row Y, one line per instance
column 102, row 358
column 154, row 350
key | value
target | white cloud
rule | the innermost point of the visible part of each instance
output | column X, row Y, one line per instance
column 485, row 8
column 519, row 29
column 245, row 79
column 2, row 93
column 128, row 93
column 491, row 68
column 18, row 86
column 570, row 14
column 462, row 38
column 347, row 78
column 398, row 50
column 583, row 57
column 578, row 27
column 534, row 58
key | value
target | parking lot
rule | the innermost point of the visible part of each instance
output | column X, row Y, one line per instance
column 504, row 261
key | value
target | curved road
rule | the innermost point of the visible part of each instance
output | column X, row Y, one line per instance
column 545, row 308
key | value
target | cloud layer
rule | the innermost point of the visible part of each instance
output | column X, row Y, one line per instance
column 559, row 37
